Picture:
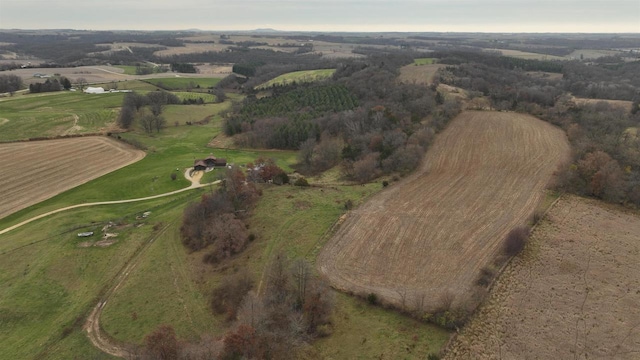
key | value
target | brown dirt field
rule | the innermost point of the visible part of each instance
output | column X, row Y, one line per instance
column 573, row 294
column 419, row 74
column 431, row 233
column 35, row 171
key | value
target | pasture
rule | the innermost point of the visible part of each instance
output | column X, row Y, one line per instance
column 38, row 170
column 50, row 278
column 432, row 233
column 298, row 77
column 583, row 258
column 57, row 113
column 183, row 83
column 424, row 61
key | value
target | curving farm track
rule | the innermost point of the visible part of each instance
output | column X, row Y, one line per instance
column 37, row 170
column 429, row 235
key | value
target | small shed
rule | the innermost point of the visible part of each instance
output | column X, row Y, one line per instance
column 220, row 162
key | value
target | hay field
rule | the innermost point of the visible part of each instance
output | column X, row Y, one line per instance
column 626, row 105
column 419, row 74
column 35, row 171
column 431, row 233
column 573, row 294
column 528, row 55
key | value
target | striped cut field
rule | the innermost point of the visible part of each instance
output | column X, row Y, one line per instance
column 37, row 170
column 431, row 234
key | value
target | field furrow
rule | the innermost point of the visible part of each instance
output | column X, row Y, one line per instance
column 432, row 233
column 35, row 171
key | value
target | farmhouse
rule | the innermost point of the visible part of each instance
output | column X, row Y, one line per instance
column 209, row 162
column 212, row 161
column 199, row 165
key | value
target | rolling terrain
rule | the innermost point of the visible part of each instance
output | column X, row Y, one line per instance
column 37, row 170
column 583, row 260
column 430, row 235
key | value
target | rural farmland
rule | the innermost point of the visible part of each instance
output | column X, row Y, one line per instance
column 37, row 170
column 583, row 259
column 432, row 233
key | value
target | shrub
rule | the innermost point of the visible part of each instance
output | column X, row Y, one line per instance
column 174, row 176
column 348, row 205
column 516, row 240
column 385, row 183
column 301, row 182
column 372, row 299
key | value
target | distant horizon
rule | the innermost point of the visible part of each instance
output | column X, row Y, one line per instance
column 275, row 30
column 450, row 16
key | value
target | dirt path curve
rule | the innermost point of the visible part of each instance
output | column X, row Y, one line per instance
column 195, row 184
column 98, row 338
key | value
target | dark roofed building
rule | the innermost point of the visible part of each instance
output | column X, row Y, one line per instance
column 199, row 165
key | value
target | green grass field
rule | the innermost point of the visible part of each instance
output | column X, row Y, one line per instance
column 52, row 114
column 48, row 281
column 128, row 69
column 207, row 98
column 298, row 77
column 424, row 61
column 184, row 83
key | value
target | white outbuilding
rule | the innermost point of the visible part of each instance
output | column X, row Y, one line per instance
column 94, row 90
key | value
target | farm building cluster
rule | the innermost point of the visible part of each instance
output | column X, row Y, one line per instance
column 209, row 162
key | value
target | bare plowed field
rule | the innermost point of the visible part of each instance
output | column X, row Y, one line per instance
column 35, row 171
column 573, row 294
column 431, row 233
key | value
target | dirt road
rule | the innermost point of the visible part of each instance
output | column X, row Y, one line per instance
column 194, row 185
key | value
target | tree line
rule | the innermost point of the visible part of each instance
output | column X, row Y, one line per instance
column 605, row 159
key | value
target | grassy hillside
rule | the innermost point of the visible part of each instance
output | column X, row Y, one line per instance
column 183, row 83
column 52, row 114
column 298, row 77
column 49, row 282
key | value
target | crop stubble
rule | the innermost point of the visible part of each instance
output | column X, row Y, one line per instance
column 431, row 233
column 574, row 294
column 35, row 171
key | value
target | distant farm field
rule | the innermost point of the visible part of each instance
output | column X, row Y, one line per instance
column 179, row 83
column 35, row 171
column 572, row 294
column 528, row 55
column 298, row 77
column 59, row 113
column 432, row 233
column 419, row 74
column 424, row 61
column 626, row 105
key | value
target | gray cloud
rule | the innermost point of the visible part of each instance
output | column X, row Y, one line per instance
column 326, row 15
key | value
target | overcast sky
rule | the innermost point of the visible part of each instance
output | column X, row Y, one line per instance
column 326, row 15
